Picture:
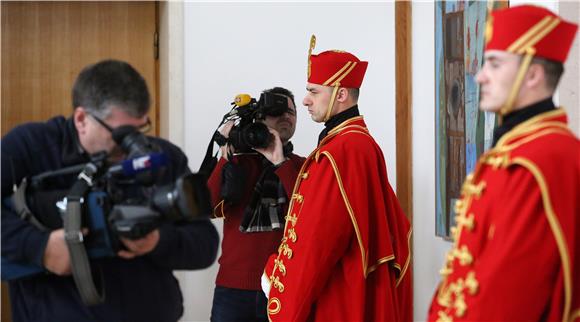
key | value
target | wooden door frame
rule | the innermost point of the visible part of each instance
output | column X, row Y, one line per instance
column 403, row 114
column 171, row 75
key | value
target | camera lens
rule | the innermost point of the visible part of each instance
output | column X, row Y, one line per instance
column 133, row 142
column 256, row 135
column 186, row 199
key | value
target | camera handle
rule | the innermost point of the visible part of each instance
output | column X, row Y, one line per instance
column 80, row 265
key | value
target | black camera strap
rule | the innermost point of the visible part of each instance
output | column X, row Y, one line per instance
column 80, row 265
column 210, row 160
column 21, row 208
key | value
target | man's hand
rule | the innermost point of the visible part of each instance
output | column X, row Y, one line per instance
column 274, row 151
column 139, row 247
column 225, row 131
column 56, row 256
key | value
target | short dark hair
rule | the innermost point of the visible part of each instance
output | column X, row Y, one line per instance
column 281, row 91
column 353, row 92
column 552, row 69
column 111, row 82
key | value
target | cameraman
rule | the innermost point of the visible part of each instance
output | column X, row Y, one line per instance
column 139, row 283
column 250, row 191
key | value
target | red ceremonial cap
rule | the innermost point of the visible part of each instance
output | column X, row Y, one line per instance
column 333, row 67
column 521, row 29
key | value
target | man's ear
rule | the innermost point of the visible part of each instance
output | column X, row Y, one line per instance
column 535, row 77
column 80, row 119
column 342, row 95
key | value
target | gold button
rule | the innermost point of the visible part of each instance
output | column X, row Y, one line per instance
column 443, row 317
column 292, row 218
column 277, row 284
column 298, row 197
column 464, row 256
column 471, row 283
column 466, row 221
column 280, row 265
column 285, row 250
column 292, row 235
column 445, row 271
column 460, row 305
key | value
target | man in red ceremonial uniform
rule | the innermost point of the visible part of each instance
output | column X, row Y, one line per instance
column 345, row 252
column 516, row 255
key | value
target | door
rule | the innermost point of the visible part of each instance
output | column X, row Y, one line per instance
column 46, row 44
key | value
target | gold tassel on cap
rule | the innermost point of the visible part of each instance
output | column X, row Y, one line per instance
column 312, row 44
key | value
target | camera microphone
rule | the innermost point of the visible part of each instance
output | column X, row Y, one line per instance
column 242, row 100
column 131, row 167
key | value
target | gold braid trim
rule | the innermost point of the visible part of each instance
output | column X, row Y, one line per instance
column 406, row 266
column 219, row 206
column 331, row 103
column 509, row 104
column 340, row 128
column 525, row 40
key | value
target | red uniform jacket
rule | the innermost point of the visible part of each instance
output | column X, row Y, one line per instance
column 345, row 252
column 244, row 254
column 516, row 255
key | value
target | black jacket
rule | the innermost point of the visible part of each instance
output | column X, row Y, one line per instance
column 140, row 289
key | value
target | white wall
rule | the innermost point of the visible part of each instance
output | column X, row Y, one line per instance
column 428, row 250
column 569, row 88
column 171, row 71
column 232, row 48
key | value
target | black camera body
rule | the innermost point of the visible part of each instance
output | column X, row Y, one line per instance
column 127, row 199
column 249, row 133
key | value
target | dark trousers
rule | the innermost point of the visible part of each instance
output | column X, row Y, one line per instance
column 233, row 305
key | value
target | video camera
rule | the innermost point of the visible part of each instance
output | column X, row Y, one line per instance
column 248, row 132
column 127, row 199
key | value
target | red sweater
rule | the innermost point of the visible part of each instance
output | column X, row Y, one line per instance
column 244, row 254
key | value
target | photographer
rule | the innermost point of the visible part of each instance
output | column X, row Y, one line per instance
column 139, row 283
column 250, row 191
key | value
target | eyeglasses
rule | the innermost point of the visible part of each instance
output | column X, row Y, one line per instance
column 145, row 128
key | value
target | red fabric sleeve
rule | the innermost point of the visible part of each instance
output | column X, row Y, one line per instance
column 214, row 184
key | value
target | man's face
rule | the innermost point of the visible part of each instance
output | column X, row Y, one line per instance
column 285, row 124
column 316, row 100
column 95, row 133
column 496, row 78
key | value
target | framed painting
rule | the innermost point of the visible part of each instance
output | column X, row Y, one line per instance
column 462, row 132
